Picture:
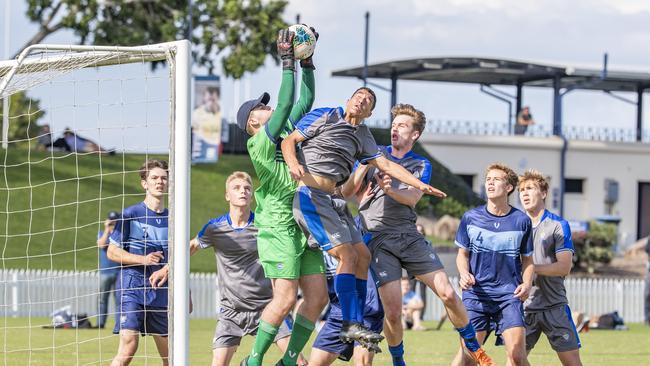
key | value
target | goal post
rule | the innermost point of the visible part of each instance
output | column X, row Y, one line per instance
column 24, row 220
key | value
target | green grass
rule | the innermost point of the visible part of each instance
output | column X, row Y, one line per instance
column 41, row 203
column 70, row 347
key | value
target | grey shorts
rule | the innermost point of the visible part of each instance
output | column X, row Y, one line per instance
column 325, row 220
column 233, row 325
column 393, row 251
column 558, row 326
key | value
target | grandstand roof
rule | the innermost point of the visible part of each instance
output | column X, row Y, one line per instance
column 491, row 71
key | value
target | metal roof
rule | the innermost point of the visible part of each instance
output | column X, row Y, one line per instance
column 491, row 71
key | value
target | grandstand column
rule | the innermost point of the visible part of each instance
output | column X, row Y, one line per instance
column 393, row 91
column 639, row 113
column 557, row 106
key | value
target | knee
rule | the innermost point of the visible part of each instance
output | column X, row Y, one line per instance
column 448, row 295
column 392, row 315
column 347, row 255
column 284, row 301
column 363, row 254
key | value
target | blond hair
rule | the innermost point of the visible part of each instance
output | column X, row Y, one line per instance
column 419, row 120
column 532, row 175
column 511, row 176
column 239, row 175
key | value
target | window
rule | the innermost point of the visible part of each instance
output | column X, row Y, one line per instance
column 573, row 185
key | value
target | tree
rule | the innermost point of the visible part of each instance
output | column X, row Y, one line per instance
column 23, row 114
column 242, row 32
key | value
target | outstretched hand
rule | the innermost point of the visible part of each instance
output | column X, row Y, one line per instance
column 285, row 48
column 427, row 189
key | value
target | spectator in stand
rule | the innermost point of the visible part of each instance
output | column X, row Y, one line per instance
column 108, row 270
column 524, row 119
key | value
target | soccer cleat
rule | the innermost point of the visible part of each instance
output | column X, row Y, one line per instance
column 244, row 362
column 372, row 347
column 279, row 363
column 481, row 357
column 356, row 332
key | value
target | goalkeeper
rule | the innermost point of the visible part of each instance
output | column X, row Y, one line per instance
column 282, row 248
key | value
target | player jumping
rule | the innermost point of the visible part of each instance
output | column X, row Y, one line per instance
column 332, row 139
column 547, row 308
column 387, row 211
column 496, row 266
column 243, row 288
column 282, row 248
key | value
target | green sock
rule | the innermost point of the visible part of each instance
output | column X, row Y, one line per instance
column 300, row 334
column 265, row 336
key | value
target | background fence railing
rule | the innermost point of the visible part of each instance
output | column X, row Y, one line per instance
column 37, row 293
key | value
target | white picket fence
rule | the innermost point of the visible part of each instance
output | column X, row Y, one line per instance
column 37, row 293
column 589, row 295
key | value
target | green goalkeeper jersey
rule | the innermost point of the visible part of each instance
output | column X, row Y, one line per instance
column 274, row 195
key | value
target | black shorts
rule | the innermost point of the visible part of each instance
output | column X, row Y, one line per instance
column 393, row 251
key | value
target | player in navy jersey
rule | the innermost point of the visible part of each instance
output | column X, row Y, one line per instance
column 328, row 346
column 547, row 308
column 387, row 213
column 244, row 290
column 496, row 266
column 139, row 243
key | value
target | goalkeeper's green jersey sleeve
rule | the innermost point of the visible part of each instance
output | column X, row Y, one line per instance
column 274, row 196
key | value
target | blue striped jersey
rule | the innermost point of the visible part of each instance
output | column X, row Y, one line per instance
column 495, row 244
column 141, row 231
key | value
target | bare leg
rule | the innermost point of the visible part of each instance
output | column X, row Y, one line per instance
column 163, row 348
column 515, row 342
column 570, row 358
column 363, row 357
column 462, row 358
column 318, row 357
column 284, row 299
column 391, row 299
column 439, row 283
column 128, row 346
column 314, row 295
column 222, row 356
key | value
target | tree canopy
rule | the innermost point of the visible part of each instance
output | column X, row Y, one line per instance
column 242, row 33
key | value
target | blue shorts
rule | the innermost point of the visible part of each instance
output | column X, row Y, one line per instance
column 495, row 315
column 149, row 320
column 328, row 337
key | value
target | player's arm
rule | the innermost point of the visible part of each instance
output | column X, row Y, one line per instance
column 306, row 98
column 398, row 172
column 527, row 266
column 462, row 262
column 102, row 241
column 285, row 96
column 119, row 255
column 560, row 268
column 408, row 196
column 352, row 186
column 194, row 246
column 290, row 156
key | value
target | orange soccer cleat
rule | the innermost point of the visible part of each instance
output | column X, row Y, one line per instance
column 481, row 357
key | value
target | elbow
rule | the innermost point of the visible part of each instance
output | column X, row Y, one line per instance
column 566, row 270
column 110, row 253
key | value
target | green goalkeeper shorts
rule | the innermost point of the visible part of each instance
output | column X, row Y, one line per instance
column 284, row 253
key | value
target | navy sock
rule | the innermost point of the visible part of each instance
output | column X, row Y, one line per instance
column 469, row 337
column 398, row 354
column 362, row 290
column 345, row 288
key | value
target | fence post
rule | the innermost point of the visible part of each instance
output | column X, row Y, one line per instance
column 14, row 293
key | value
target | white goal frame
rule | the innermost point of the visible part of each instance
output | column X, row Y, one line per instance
column 177, row 56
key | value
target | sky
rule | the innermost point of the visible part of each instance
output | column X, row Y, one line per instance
column 558, row 31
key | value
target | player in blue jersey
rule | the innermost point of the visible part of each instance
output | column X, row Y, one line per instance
column 496, row 266
column 139, row 243
column 547, row 308
column 328, row 346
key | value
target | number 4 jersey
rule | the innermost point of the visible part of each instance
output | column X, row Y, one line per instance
column 495, row 245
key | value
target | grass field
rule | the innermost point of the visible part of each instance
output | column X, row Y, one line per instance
column 47, row 198
column 92, row 346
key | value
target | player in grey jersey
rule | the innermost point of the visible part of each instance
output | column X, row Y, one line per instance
column 244, row 289
column 387, row 213
column 547, row 309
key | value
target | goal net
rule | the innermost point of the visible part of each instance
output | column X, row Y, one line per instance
column 79, row 123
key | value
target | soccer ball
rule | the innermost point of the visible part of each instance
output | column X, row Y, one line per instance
column 304, row 41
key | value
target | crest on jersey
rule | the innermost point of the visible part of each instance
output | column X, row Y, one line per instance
column 496, row 225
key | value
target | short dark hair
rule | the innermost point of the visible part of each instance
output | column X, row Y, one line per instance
column 150, row 165
column 374, row 96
